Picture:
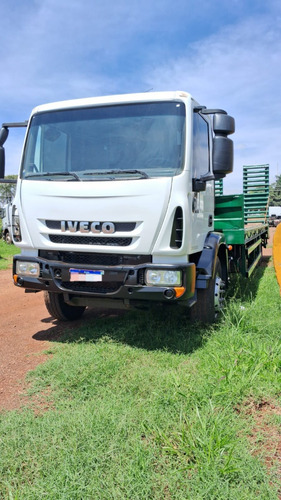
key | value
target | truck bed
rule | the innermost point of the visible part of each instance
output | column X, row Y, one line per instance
column 230, row 219
column 247, row 239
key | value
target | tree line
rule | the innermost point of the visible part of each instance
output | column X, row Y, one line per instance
column 7, row 191
column 275, row 192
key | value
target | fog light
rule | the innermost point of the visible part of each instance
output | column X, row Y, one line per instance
column 170, row 293
column 27, row 268
column 162, row 277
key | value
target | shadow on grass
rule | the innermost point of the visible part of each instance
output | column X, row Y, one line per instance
column 245, row 289
column 157, row 328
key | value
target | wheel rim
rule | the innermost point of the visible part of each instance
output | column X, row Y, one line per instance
column 219, row 295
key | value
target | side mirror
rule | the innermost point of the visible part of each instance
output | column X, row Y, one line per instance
column 200, row 184
column 222, row 156
column 223, row 125
column 4, row 132
column 2, row 162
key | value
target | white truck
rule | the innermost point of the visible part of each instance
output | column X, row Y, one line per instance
column 115, row 203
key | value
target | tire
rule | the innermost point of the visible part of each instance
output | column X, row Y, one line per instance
column 57, row 307
column 8, row 238
column 210, row 301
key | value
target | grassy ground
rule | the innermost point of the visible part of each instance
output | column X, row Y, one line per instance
column 6, row 254
column 146, row 406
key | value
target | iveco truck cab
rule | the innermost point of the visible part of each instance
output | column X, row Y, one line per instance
column 115, row 203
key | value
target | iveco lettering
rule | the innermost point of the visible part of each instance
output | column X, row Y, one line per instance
column 87, row 227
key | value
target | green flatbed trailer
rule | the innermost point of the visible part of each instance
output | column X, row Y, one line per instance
column 243, row 219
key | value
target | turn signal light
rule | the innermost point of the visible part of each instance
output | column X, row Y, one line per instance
column 179, row 291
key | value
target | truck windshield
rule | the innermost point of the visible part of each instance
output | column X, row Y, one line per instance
column 108, row 142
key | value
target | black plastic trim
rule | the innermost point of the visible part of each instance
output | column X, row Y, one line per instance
column 214, row 247
column 53, row 275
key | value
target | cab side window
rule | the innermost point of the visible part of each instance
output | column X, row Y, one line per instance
column 201, row 163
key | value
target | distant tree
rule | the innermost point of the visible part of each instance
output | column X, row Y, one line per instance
column 275, row 192
column 7, row 191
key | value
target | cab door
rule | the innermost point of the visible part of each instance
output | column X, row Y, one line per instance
column 202, row 201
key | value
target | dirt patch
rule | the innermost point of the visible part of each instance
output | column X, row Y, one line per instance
column 25, row 331
column 265, row 436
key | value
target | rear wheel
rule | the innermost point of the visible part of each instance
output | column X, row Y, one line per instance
column 210, row 301
column 8, row 238
column 59, row 309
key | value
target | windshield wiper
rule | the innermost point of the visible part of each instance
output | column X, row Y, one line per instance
column 51, row 174
column 143, row 174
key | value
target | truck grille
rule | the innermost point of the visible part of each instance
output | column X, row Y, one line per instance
column 89, row 240
column 96, row 259
column 103, row 288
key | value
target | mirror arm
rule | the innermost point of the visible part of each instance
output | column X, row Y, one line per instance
column 200, row 184
column 15, row 124
column 207, row 177
column 8, row 181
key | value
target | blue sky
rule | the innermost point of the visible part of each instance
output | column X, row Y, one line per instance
column 226, row 54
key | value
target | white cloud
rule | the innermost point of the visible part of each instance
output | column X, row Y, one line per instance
column 59, row 50
column 237, row 69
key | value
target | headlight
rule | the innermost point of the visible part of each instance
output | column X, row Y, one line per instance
column 27, row 269
column 162, row 277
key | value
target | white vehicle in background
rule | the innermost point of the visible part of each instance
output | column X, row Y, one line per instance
column 6, row 215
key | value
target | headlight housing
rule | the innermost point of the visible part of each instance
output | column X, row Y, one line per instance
column 163, row 277
column 24, row 268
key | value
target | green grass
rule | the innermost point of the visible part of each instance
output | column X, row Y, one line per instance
column 145, row 406
column 6, row 254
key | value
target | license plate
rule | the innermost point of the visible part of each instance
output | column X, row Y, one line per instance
column 85, row 275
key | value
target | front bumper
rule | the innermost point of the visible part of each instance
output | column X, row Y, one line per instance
column 123, row 282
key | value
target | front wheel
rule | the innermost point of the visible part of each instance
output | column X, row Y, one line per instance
column 210, row 301
column 59, row 309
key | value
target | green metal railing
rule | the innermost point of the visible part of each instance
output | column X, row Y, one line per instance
column 256, row 193
column 243, row 219
column 219, row 187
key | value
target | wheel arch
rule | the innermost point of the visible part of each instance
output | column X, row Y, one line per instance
column 215, row 248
